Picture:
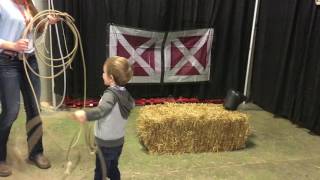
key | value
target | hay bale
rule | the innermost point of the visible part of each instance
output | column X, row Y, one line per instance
column 191, row 128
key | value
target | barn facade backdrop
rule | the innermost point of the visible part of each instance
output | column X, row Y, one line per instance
column 286, row 68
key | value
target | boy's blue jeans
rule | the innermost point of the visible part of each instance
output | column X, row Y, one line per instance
column 111, row 159
column 13, row 80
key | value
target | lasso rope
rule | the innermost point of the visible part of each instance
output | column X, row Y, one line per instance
column 40, row 20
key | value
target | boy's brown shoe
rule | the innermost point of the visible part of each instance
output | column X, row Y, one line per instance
column 41, row 161
column 5, row 170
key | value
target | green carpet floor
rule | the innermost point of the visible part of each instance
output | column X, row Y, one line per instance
column 277, row 149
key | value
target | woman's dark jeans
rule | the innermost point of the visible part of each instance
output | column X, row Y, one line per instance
column 13, row 80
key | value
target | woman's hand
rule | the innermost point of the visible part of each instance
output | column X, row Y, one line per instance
column 21, row 45
column 80, row 115
column 53, row 19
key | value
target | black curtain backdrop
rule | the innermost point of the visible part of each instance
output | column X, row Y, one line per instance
column 230, row 19
column 286, row 71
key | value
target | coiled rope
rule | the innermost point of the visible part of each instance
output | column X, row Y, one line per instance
column 41, row 22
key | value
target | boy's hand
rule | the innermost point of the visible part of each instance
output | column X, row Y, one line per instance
column 80, row 115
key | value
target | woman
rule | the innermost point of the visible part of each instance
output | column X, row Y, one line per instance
column 14, row 16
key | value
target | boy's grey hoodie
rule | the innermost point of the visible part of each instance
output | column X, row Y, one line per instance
column 111, row 115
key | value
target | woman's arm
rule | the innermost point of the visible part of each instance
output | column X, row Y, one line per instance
column 34, row 11
column 18, row 46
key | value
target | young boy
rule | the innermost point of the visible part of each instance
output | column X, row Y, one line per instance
column 111, row 115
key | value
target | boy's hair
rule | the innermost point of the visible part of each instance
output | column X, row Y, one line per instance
column 119, row 68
